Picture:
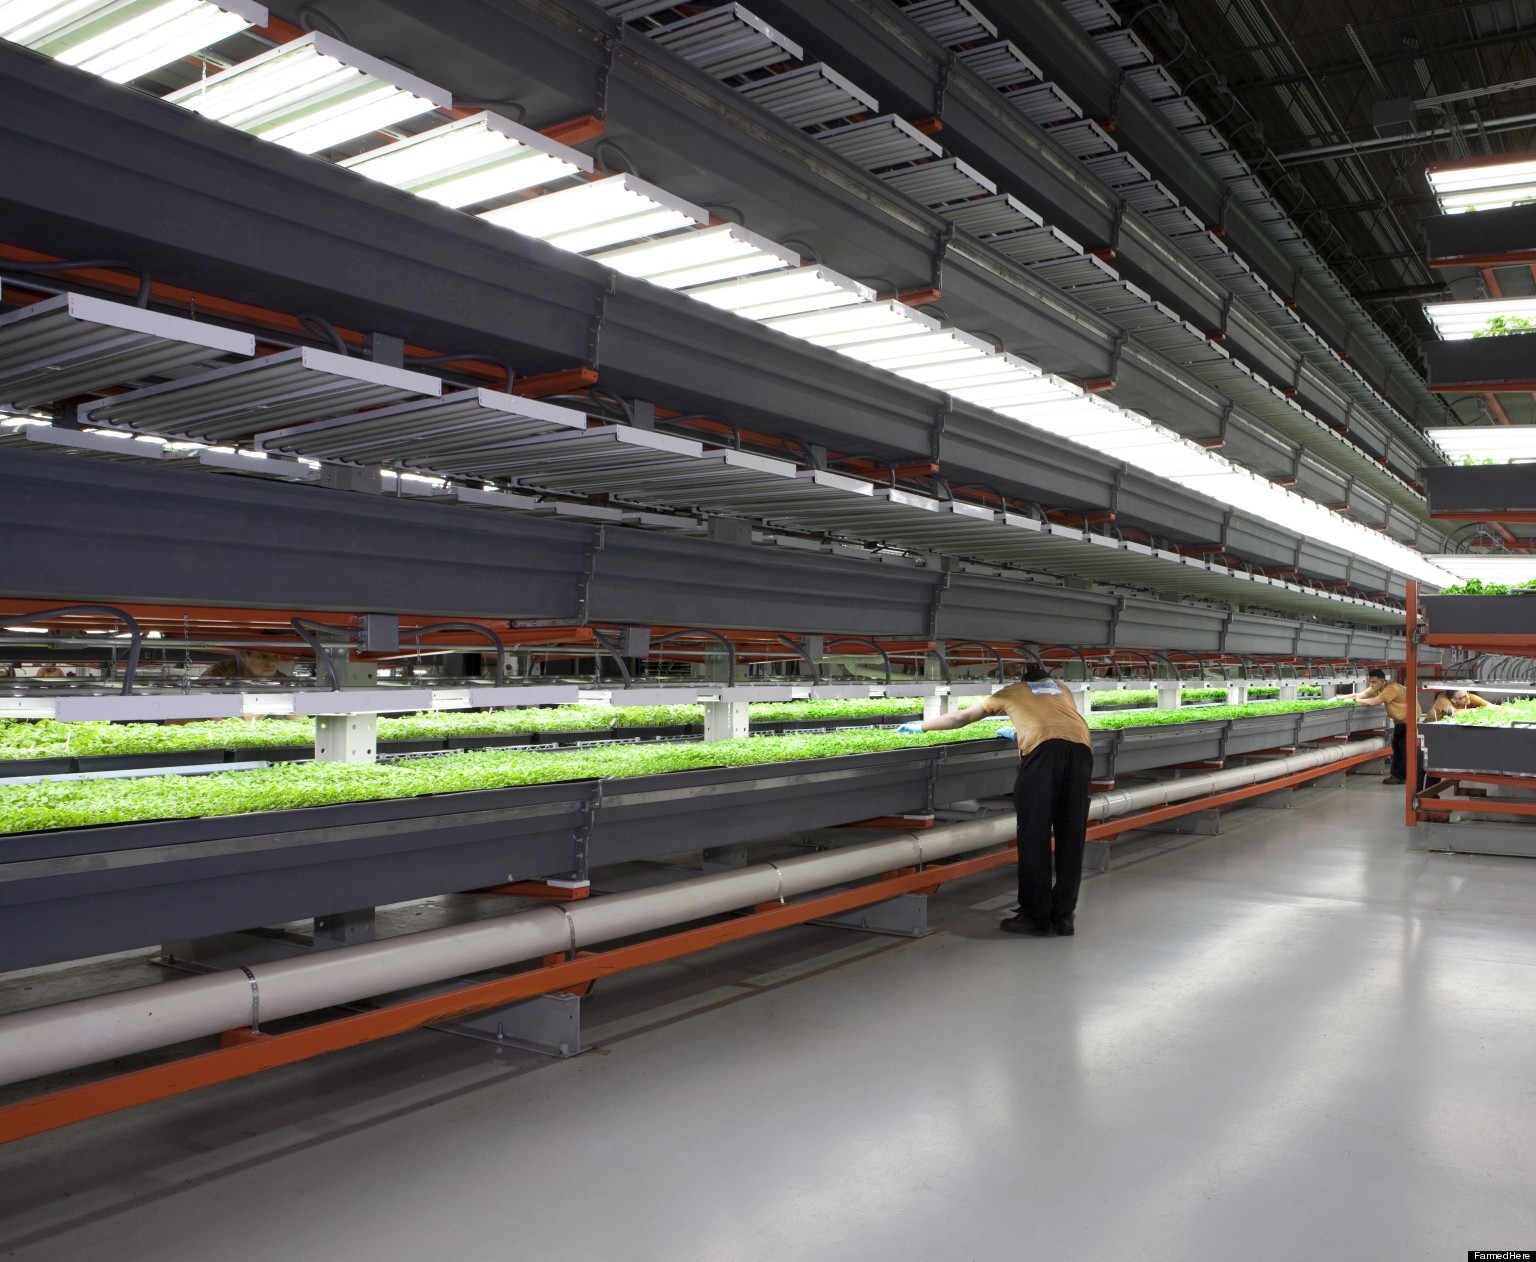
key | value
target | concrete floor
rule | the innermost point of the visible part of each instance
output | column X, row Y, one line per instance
column 1299, row 1039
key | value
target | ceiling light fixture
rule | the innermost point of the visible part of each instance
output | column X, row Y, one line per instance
column 311, row 94
column 475, row 159
column 602, row 213
column 120, row 40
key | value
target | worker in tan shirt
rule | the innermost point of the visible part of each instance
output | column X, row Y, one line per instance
column 1448, row 704
column 1393, row 698
column 1049, row 792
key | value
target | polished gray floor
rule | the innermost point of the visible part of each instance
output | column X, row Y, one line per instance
column 1299, row 1039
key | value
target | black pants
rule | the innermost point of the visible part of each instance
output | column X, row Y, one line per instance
column 1051, row 792
column 1399, row 768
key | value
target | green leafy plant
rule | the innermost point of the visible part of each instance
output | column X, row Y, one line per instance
column 1502, row 326
column 1476, row 587
column 76, row 803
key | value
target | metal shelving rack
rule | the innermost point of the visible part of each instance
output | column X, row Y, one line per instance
column 1488, row 624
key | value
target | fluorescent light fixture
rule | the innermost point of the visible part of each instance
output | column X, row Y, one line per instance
column 911, row 354
column 74, row 344
column 723, row 252
column 1487, row 186
column 472, row 160
column 794, row 292
column 602, row 213
column 123, row 39
column 1499, row 443
column 849, row 325
column 1491, row 567
column 311, row 94
column 1457, row 321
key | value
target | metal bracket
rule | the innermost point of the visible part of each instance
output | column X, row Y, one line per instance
column 1226, row 627
column 938, row 599
column 941, row 88
column 1114, row 619
column 1114, row 95
column 605, row 72
column 936, row 433
column 931, row 789
column 1221, row 433
column 595, row 328
column 581, row 835
column 1114, row 486
column 1226, row 522
column 1115, row 225
column 940, row 250
column 1113, row 375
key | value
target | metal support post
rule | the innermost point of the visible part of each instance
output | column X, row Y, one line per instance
column 726, row 720
column 1168, row 691
column 1237, row 692
column 346, row 737
column 938, row 705
column 1290, row 689
column 1330, row 690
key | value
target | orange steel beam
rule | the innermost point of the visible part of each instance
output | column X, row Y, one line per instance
column 1497, row 408
column 56, row 1109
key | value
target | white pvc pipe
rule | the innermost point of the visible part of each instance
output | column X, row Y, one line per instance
column 84, row 1031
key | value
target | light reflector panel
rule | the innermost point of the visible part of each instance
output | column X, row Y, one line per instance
column 121, row 40
column 684, row 259
column 473, row 160
column 74, row 344
column 602, row 213
column 794, row 292
column 312, row 93
column 231, row 403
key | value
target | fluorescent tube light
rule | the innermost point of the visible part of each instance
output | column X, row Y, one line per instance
column 794, row 292
column 723, row 252
column 311, row 94
column 1488, row 186
column 1499, row 443
column 849, row 325
column 1494, row 567
column 602, row 213
column 121, row 40
column 472, row 160
column 1457, row 321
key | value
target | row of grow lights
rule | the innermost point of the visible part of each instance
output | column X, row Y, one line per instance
column 315, row 93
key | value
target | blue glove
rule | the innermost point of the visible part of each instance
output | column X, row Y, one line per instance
column 910, row 729
column 1006, row 734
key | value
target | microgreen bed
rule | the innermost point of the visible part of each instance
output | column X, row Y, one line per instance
column 74, row 803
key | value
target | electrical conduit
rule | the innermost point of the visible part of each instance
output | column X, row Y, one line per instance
column 85, row 1031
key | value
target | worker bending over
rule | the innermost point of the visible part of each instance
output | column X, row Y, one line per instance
column 1050, row 792
column 1393, row 698
column 245, row 664
column 1449, row 704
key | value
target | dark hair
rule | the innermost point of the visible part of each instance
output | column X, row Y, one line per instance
column 1034, row 674
column 1377, row 674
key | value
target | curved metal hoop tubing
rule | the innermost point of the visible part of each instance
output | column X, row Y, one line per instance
column 977, row 644
column 804, row 656
column 136, row 636
column 859, row 639
column 613, row 652
column 501, row 649
column 730, row 649
column 306, row 631
column 1194, row 657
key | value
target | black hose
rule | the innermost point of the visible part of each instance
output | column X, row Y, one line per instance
column 136, row 635
column 305, row 630
column 859, row 639
column 977, row 644
column 68, row 265
column 730, row 648
column 613, row 652
column 943, row 663
column 506, row 368
column 804, row 656
column 501, row 649
column 323, row 329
